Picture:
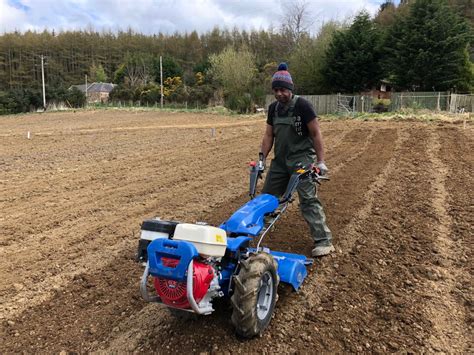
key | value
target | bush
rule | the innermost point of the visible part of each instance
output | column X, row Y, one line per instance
column 34, row 97
column 201, row 94
column 75, row 97
column 380, row 105
column 121, row 93
column 150, row 94
column 259, row 95
column 56, row 94
column 25, row 100
column 7, row 104
column 240, row 103
column 19, row 100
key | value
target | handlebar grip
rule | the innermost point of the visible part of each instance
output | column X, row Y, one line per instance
column 261, row 163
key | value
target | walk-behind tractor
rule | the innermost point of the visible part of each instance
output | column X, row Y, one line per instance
column 192, row 264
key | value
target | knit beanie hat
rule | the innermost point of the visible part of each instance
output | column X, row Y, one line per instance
column 282, row 78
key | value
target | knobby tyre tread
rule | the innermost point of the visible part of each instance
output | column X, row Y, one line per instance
column 246, row 289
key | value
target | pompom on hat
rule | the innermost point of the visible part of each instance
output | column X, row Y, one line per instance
column 282, row 78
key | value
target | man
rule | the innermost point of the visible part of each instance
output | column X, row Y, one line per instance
column 293, row 126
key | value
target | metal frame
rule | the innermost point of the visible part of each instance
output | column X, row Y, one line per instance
column 207, row 309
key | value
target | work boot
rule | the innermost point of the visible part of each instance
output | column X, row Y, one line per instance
column 322, row 250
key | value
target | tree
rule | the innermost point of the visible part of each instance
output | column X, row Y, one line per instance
column 386, row 14
column 137, row 69
column 296, row 22
column 235, row 71
column 119, row 74
column 171, row 68
column 97, row 73
column 100, row 75
column 464, row 8
column 308, row 59
column 69, row 55
column 353, row 57
column 428, row 49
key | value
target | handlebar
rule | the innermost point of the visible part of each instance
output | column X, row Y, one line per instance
column 261, row 162
column 301, row 173
column 256, row 172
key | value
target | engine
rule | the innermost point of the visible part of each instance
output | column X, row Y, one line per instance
column 200, row 244
column 174, row 293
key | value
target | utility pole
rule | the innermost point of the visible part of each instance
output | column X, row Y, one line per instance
column 86, row 90
column 161, row 79
column 42, row 78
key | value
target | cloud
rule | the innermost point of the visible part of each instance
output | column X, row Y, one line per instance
column 18, row 5
column 168, row 16
column 11, row 17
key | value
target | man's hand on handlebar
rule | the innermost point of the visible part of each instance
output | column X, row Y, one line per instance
column 321, row 168
column 261, row 163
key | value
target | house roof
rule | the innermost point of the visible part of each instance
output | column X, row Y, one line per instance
column 95, row 87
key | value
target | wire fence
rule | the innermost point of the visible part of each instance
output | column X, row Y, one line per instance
column 354, row 104
column 146, row 105
column 421, row 100
column 461, row 103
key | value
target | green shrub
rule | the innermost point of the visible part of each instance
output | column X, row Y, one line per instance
column 19, row 100
column 380, row 105
column 75, row 97
column 240, row 103
column 121, row 93
column 150, row 94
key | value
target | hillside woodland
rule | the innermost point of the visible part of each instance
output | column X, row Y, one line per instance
column 421, row 45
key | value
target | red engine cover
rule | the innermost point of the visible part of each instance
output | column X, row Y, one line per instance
column 173, row 293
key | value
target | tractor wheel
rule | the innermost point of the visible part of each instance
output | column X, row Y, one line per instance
column 255, row 294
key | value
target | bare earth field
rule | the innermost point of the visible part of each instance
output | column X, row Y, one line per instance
column 400, row 204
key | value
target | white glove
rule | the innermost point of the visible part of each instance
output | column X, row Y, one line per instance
column 323, row 169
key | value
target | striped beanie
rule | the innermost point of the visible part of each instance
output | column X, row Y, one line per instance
column 282, row 78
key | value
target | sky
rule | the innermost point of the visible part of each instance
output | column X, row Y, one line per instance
column 166, row 16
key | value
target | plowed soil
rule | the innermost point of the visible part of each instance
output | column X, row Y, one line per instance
column 400, row 204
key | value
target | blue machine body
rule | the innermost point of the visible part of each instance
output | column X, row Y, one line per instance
column 246, row 222
column 234, row 244
column 174, row 249
column 291, row 267
column 249, row 219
